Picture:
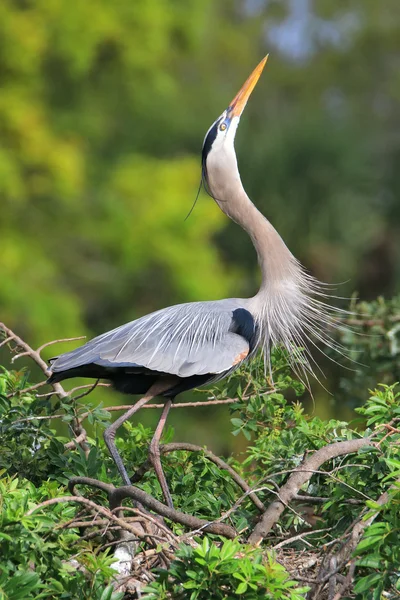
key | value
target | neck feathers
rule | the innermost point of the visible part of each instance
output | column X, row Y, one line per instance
column 277, row 263
column 286, row 307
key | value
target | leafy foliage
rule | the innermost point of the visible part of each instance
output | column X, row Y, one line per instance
column 230, row 570
column 45, row 558
column 372, row 341
column 102, row 111
column 38, row 558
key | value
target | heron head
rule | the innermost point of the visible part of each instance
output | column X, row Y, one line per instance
column 222, row 132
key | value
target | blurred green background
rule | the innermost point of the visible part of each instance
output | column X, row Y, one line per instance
column 103, row 109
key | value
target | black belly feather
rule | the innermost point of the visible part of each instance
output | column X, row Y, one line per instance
column 130, row 381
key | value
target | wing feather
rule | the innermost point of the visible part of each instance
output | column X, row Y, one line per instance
column 184, row 340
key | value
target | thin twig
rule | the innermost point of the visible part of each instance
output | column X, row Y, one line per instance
column 321, row 500
column 41, row 418
column 88, row 385
column 31, row 388
column 86, row 393
column 300, row 536
column 73, row 339
column 28, row 351
column 7, row 340
column 100, row 509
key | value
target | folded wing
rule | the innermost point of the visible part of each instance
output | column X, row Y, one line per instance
column 183, row 340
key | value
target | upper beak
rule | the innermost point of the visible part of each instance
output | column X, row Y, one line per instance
column 237, row 105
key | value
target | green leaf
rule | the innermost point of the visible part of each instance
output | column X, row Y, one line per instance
column 366, row 583
column 107, row 593
column 368, row 542
column 189, row 585
column 228, row 550
column 20, row 585
column 241, row 588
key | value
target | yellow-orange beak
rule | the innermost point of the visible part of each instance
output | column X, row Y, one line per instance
column 237, row 105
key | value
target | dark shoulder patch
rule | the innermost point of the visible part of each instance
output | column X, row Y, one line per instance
column 243, row 324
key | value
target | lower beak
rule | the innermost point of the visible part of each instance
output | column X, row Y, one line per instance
column 237, row 105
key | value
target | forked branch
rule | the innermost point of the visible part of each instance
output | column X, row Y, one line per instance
column 117, row 495
column 297, row 479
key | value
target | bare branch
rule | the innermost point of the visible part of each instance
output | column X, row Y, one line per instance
column 73, row 339
column 172, row 514
column 147, row 517
column 89, row 503
column 87, row 386
column 7, row 340
column 100, row 485
column 117, row 495
column 35, row 356
column 300, row 536
column 321, row 500
column 82, row 437
column 31, row 388
column 121, row 407
column 297, row 479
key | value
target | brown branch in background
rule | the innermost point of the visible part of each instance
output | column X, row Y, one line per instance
column 297, row 479
column 371, row 322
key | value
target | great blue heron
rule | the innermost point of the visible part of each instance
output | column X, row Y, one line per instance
column 188, row 345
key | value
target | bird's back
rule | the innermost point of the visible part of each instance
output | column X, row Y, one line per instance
column 200, row 340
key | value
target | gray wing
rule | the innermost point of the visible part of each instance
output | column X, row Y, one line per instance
column 184, row 340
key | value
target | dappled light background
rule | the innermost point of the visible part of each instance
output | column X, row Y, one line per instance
column 103, row 109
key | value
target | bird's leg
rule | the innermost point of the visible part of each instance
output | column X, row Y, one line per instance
column 109, row 434
column 154, row 453
column 109, row 437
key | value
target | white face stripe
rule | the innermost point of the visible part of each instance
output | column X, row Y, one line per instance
column 221, row 117
column 227, row 136
column 221, row 136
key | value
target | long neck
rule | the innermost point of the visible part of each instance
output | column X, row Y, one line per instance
column 285, row 308
column 276, row 261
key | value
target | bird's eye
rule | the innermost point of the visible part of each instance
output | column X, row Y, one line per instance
column 222, row 127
